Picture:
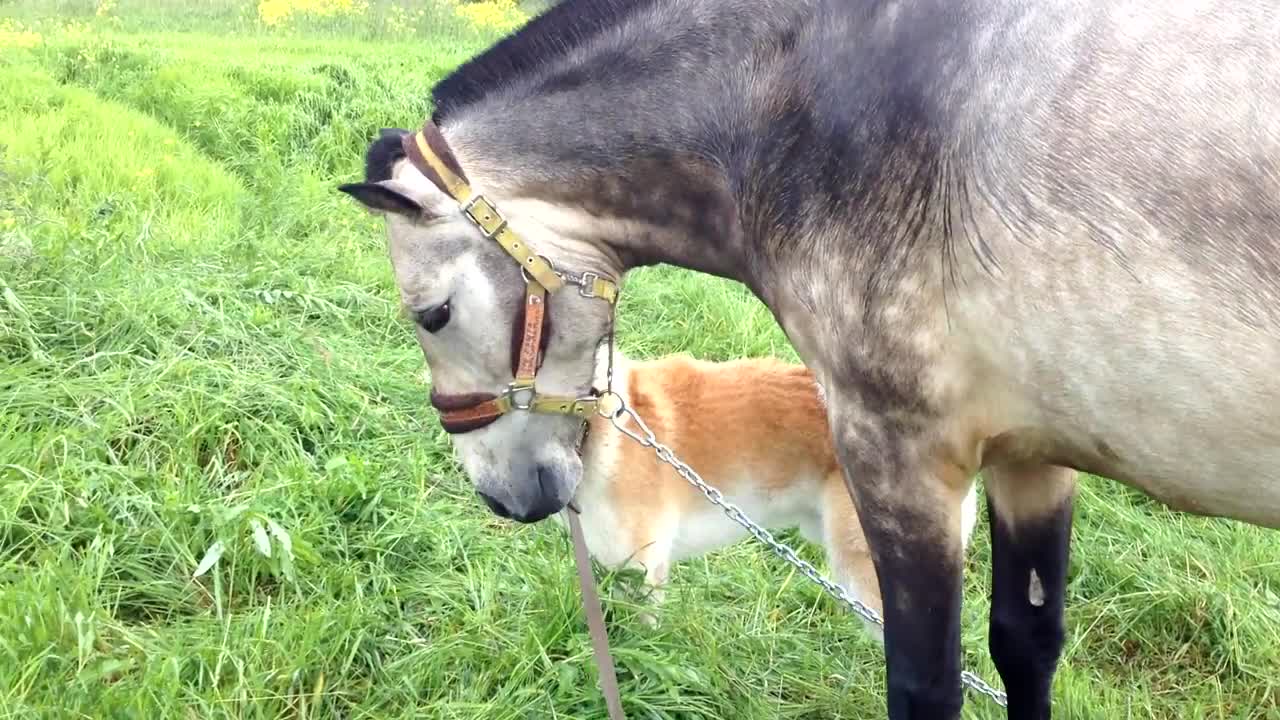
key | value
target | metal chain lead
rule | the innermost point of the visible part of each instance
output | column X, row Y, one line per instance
column 647, row 439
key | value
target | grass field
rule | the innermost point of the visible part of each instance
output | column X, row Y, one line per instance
column 200, row 348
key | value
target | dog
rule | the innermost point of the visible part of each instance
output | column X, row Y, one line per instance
column 755, row 429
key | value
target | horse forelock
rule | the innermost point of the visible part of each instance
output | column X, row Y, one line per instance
column 383, row 153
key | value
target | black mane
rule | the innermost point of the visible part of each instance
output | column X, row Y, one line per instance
column 548, row 36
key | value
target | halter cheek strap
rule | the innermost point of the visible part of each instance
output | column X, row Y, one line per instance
column 541, row 278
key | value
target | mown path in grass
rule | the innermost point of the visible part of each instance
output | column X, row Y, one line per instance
column 199, row 337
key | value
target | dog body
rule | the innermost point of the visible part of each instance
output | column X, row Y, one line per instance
column 755, row 429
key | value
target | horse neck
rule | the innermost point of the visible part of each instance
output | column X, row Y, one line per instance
column 750, row 154
column 644, row 130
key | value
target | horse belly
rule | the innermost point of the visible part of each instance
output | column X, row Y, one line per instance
column 1201, row 436
column 1151, row 381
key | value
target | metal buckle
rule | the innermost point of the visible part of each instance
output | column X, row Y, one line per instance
column 468, row 210
column 525, row 270
column 587, row 284
column 610, row 404
column 512, row 393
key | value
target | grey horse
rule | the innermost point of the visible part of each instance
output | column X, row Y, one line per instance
column 1022, row 238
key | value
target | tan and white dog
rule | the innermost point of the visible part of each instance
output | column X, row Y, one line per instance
column 756, row 429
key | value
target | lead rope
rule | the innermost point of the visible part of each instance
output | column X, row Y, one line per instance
column 595, row 618
column 586, row 579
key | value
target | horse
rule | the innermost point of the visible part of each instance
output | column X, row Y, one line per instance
column 1022, row 239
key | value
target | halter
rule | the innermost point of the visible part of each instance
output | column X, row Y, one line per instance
column 541, row 278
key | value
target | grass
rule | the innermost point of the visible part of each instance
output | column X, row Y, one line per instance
column 199, row 347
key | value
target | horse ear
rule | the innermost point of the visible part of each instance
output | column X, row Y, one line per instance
column 387, row 196
column 431, row 155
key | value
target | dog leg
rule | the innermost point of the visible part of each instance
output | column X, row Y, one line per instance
column 654, row 557
column 847, row 551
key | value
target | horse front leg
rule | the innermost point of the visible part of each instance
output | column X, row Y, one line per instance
column 1030, row 510
column 909, row 504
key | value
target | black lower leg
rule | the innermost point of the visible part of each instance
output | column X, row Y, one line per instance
column 1028, row 589
column 909, row 507
column 922, row 637
column 920, row 589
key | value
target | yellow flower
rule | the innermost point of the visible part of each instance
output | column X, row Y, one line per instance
column 75, row 30
column 277, row 12
column 502, row 15
column 8, row 222
column 272, row 12
column 168, row 141
column 145, row 172
column 168, row 158
column 15, row 34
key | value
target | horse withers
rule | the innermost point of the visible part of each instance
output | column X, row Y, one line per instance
column 1022, row 238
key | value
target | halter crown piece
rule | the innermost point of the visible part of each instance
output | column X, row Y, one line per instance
column 541, row 278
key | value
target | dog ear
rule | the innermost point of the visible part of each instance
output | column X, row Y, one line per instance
column 387, row 196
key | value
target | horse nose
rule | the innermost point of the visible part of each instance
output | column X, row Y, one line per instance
column 547, row 502
column 529, row 502
column 495, row 505
column 542, row 508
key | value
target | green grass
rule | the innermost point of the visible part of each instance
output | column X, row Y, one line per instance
column 198, row 337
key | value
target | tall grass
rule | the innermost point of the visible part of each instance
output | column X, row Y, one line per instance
column 200, row 348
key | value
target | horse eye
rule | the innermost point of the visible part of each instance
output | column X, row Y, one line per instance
column 433, row 319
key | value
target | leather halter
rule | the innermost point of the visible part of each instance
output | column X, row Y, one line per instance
column 541, row 278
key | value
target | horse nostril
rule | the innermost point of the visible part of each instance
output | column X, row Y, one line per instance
column 548, row 501
column 497, row 507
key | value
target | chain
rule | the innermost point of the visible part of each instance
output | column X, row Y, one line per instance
column 647, row 439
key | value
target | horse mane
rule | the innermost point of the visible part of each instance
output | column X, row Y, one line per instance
column 545, row 38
